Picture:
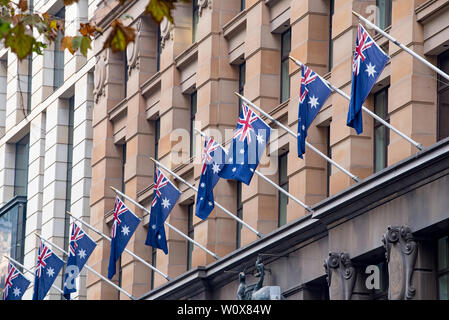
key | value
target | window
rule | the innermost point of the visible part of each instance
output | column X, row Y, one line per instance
column 58, row 62
column 193, row 100
column 123, row 146
column 125, row 75
column 195, row 18
column 68, row 186
column 29, row 82
column 21, row 167
column 443, row 98
column 331, row 43
column 157, row 134
column 159, row 49
column 285, row 62
column 242, row 5
column 381, row 132
column 443, row 268
column 242, row 76
column 328, row 164
column 190, row 234
column 153, row 263
column 383, row 13
column 239, row 214
column 283, row 183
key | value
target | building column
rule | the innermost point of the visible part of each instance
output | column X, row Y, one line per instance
column 3, row 86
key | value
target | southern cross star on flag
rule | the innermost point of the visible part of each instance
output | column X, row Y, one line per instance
column 165, row 195
column 368, row 63
column 313, row 92
column 248, row 144
column 123, row 227
column 15, row 284
column 213, row 157
column 47, row 268
column 80, row 249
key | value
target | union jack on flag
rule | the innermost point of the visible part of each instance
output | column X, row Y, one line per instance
column 15, row 284
column 160, row 182
column 43, row 254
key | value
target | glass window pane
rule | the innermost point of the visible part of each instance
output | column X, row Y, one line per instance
column 286, row 46
column 21, row 167
column 285, row 81
column 443, row 253
column 443, row 287
column 383, row 17
column 379, row 148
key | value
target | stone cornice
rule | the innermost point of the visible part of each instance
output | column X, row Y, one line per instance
column 430, row 8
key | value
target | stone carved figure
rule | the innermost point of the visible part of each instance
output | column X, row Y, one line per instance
column 345, row 276
column 257, row 291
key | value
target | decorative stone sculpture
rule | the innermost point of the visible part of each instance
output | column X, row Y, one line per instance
column 256, row 291
column 202, row 4
column 341, row 275
column 401, row 251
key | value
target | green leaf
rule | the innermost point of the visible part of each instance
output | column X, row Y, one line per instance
column 160, row 9
column 19, row 42
column 85, row 45
column 4, row 28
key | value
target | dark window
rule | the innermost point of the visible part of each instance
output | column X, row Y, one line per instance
column 242, row 5
column 283, row 183
column 195, row 17
column 21, row 167
column 58, row 63
column 331, row 43
column 443, row 268
column 159, row 49
column 153, row 263
column 123, row 146
column 125, row 74
column 242, row 76
column 157, row 134
column 443, row 97
column 383, row 16
column 193, row 108
column 328, row 164
column 285, row 61
column 381, row 132
column 29, row 82
column 239, row 214
column 190, row 234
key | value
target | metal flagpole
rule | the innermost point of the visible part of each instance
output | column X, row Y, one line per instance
column 167, row 224
column 372, row 114
column 28, row 270
column 89, row 268
column 355, row 178
column 270, row 182
column 403, row 47
column 260, row 235
column 126, row 250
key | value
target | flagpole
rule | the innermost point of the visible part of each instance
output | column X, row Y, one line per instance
column 355, row 178
column 372, row 114
column 403, row 47
column 89, row 268
column 270, row 182
column 126, row 250
column 28, row 270
column 260, row 235
column 167, row 224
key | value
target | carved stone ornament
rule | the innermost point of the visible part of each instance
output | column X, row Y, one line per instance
column 166, row 28
column 341, row 274
column 132, row 50
column 401, row 252
column 202, row 4
column 99, row 77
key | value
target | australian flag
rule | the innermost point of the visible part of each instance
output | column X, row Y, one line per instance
column 248, row 143
column 165, row 195
column 213, row 157
column 47, row 268
column 80, row 248
column 368, row 63
column 15, row 284
column 313, row 92
column 123, row 227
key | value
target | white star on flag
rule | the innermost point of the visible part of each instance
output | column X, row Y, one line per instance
column 370, row 69
column 125, row 230
column 166, row 203
column 153, row 227
column 202, row 185
column 82, row 253
column 313, row 101
column 242, row 151
column 260, row 138
column 234, row 169
column 50, row 272
column 16, row 292
column 215, row 168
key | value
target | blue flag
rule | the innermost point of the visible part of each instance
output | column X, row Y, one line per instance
column 15, row 284
column 213, row 157
column 80, row 249
column 47, row 268
column 368, row 63
column 248, row 144
column 165, row 195
column 125, row 223
column 313, row 92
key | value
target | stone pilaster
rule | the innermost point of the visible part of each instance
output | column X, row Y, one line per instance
column 341, row 275
column 3, row 85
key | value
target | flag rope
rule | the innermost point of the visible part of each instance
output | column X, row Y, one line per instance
column 90, row 269
column 260, row 235
column 28, row 270
column 168, row 224
column 372, row 114
column 126, row 250
column 268, row 180
column 355, row 178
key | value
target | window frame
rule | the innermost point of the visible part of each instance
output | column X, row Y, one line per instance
column 193, row 111
column 190, row 234
column 442, row 87
column 377, row 125
column 284, row 184
column 238, row 236
column 285, row 59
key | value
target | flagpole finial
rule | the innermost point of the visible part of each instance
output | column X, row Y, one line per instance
column 297, row 62
column 152, row 159
column 69, row 213
column 113, row 188
column 356, row 14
